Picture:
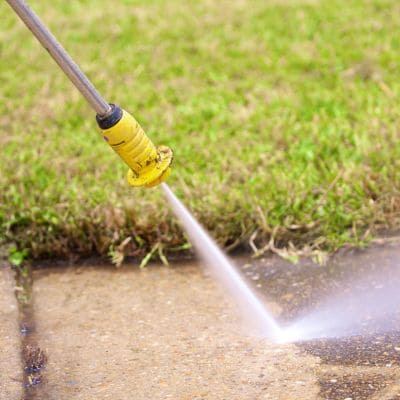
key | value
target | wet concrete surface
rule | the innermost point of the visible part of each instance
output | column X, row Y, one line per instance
column 10, row 366
column 163, row 333
column 360, row 288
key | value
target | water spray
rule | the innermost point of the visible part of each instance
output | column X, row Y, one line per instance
column 222, row 269
column 148, row 166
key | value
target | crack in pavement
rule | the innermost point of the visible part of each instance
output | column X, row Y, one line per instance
column 32, row 356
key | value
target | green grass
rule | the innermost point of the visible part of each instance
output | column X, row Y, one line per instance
column 283, row 116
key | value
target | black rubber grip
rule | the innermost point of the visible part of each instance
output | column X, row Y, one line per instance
column 111, row 119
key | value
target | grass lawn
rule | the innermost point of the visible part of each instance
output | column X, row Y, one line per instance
column 283, row 116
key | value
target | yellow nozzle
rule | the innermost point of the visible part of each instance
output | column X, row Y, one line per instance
column 149, row 165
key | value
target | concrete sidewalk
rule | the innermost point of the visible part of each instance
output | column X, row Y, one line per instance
column 169, row 333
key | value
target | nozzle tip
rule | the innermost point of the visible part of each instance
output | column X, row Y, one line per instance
column 156, row 172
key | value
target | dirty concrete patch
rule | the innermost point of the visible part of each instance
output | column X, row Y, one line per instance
column 374, row 350
column 157, row 333
column 11, row 380
column 351, row 387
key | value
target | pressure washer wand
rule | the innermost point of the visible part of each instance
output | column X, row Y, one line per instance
column 148, row 165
